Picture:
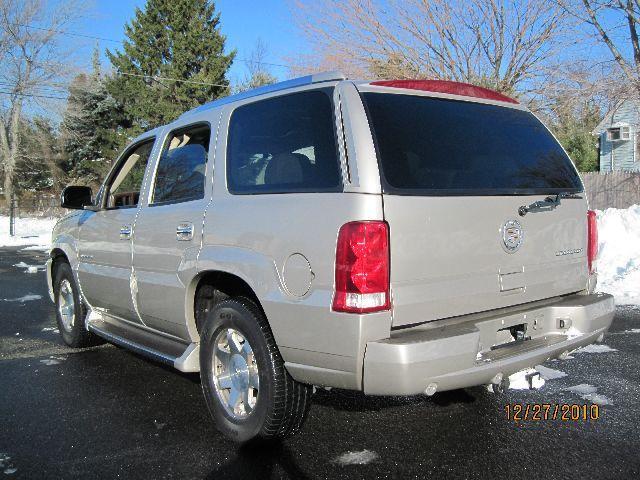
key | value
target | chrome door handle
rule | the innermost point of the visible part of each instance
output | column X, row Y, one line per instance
column 184, row 232
column 125, row 232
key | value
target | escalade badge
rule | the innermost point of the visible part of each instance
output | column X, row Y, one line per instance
column 512, row 235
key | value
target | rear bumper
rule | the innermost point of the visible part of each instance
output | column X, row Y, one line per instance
column 458, row 353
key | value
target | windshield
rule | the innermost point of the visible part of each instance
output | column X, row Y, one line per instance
column 433, row 146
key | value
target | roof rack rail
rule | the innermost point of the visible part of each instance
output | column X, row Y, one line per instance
column 275, row 87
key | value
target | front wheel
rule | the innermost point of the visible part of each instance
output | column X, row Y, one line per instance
column 247, row 389
column 70, row 311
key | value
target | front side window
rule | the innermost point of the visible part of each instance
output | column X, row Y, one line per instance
column 433, row 146
column 124, row 188
column 180, row 176
column 283, row 145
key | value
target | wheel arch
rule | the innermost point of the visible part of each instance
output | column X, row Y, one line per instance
column 56, row 256
column 208, row 288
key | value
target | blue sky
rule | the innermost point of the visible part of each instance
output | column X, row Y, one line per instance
column 242, row 21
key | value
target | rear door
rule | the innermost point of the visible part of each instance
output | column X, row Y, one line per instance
column 455, row 175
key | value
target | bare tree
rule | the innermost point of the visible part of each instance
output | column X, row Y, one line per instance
column 31, row 59
column 257, row 68
column 502, row 44
column 614, row 24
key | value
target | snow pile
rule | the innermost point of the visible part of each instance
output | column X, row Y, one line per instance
column 29, row 231
column 619, row 257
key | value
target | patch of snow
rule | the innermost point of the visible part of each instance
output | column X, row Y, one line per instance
column 53, row 360
column 573, row 332
column 30, row 268
column 50, row 361
column 519, row 380
column 29, row 231
column 619, row 254
column 595, row 348
column 356, row 458
column 633, row 330
column 589, row 393
column 26, row 298
column 36, row 248
column 549, row 373
column 6, row 465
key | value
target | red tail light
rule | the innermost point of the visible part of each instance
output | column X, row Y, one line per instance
column 592, row 240
column 362, row 268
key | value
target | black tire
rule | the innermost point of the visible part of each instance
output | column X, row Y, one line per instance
column 282, row 403
column 75, row 335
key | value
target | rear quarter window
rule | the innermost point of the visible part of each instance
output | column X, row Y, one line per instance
column 284, row 144
column 432, row 146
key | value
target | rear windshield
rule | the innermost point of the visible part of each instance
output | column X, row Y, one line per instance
column 432, row 146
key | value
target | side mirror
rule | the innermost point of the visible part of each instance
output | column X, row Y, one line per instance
column 76, row 197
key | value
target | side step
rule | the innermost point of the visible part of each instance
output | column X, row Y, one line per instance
column 179, row 355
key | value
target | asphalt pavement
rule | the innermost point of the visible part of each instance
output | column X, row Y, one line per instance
column 108, row 413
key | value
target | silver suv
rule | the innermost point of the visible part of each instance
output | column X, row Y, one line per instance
column 393, row 237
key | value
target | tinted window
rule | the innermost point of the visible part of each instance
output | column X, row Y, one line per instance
column 126, row 182
column 180, row 175
column 283, row 144
column 435, row 146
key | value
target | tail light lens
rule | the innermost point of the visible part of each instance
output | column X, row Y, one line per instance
column 592, row 240
column 362, row 268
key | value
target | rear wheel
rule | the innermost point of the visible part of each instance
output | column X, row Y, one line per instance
column 70, row 311
column 247, row 389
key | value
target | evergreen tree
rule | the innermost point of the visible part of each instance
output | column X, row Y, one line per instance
column 37, row 167
column 94, row 128
column 573, row 126
column 167, row 41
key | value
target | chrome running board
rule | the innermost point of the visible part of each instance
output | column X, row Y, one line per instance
column 182, row 356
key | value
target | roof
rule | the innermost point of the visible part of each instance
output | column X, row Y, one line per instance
column 295, row 82
column 436, row 86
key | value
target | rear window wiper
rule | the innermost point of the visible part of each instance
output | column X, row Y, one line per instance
column 549, row 203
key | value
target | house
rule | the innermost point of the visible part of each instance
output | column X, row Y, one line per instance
column 619, row 138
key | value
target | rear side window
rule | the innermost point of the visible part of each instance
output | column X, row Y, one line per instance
column 180, row 175
column 431, row 146
column 284, row 144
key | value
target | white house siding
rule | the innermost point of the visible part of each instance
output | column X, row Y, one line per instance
column 621, row 154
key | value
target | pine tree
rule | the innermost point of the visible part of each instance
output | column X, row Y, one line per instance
column 167, row 41
column 94, row 128
column 38, row 165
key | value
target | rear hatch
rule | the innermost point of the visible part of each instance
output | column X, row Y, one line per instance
column 455, row 174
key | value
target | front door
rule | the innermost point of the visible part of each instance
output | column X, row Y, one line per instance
column 105, row 266
column 168, row 231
